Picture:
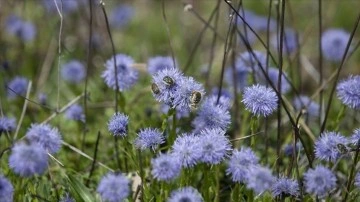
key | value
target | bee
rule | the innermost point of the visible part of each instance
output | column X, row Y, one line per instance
column 155, row 88
column 168, row 81
column 195, row 99
column 342, row 149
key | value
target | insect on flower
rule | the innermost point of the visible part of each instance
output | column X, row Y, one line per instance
column 155, row 88
column 342, row 149
column 195, row 99
column 168, row 81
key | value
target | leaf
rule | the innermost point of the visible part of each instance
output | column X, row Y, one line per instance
column 80, row 189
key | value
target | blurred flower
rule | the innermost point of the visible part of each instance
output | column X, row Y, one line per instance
column 126, row 77
column 330, row 145
column 186, row 149
column 260, row 100
column 165, row 167
column 75, row 112
column 289, row 149
column 357, row 180
column 73, row 71
column 242, row 74
column 290, row 43
column 273, row 74
column 259, row 179
column 333, row 44
column 17, row 86
column 348, row 92
column 185, row 194
column 42, row 98
column 6, row 190
column 180, row 112
column 149, row 138
column 114, row 187
column 121, row 16
column 118, row 124
column 239, row 164
column 67, row 198
column 319, row 181
column 24, row 30
column 28, row 160
column 224, row 102
column 355, row 138
column 304, row 102
column 44, row 135
column 7, row 124
column 214, row 146
column 64, row 6
column 253, row 61
column 158, row 63
column 224, row 93
column 257, row 22
column 285, row 187
column 187, row 89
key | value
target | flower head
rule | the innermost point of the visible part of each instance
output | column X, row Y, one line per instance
column 66, row 6
column 260, row 100
column 189, row 194
column 319, row 181
column 285, row 187
column 330, row 146
column 73, row 71
column 273, row 74
column 289, row 149
column 114, row 187
column 253, row 61
column 304, row 102
column 165, row 167
column 186, row 149
column 118, row 124
column 75, row 112
column 126, row 76
column 259, row 179
column 67, row 198
column 242, row 74
column 24, row 30
column 239, row 164
column 7, row 124
column 28, row 160
column 121, row 16
column 257, row 22
column 44, row 135
column 214, row 145
column 158, row 63
column 333, row 44
column 290, row 43
column 348, row 92
column 6, row 190
column 17, row 86
column 149, row 138
column 190, row 93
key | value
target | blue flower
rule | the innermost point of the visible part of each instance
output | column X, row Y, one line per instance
column 289, row 149
column 260, row 100
column 355, row 137
column 17, row 86
column 126, row 77
column 242, row 73
column 6, row 190
column 189, row 194
column 28, row 160
column 75, row 112
column 186, row 149
column 165, row 167
column 256, row 22
column 67, row 6
column 166, row 86
column 188, row 87
column 149, row 138
column 180, row 112
column 73, row 71
column 357, row 180
column 118, row 124
column 121, row 16
column 247, row 59
column 44, row 135
column 158, row 63
column 304, row 102
column 7, row 124
column 348, row 92
column 214, row 145
column 259, row 179
column 239, row 164
column 24, row 30
column 67, row 198
column 285, row 187
column 224, row 93
column 224, row 102
column 330, row 146
column 333, row 44
column 319, row 181
column 273, row 74
column 210, row 115
column 290, row 43
column 114, row 187
column 42, row 98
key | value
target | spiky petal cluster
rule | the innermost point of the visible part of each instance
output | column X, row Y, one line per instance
column 17, row 86
column 285, row 187
column 73, row 71
column 44, row 135
column 159, row 63
column 348, row 91
column 319, row 181
column 259, row 179
column 7, row 124
column 260, row 100
column 149, row 138
column 214, row 145
column 28, row 160
column 126, row 77
column 333, row 44
column 185, row 194
column 304, row 102
column 6, row 190
column 165, row 167
column 114, row 187
column 75, row 112
column 118, row 124
column 186, row 149
column 330, row 146
column 188, row 86
column 239, row 164
column 121, row 15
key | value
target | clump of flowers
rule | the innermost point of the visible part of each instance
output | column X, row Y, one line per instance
column 319, row 181
column 45, row 136
column 239, row 164
column 165, row 167
column 330, row 146
column 114, row 187
column 186, row 149
column 73, row 71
